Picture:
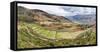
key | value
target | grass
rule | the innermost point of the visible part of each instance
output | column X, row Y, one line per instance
column 31, row 35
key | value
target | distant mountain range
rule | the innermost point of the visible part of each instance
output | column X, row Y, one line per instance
column 37, row 15
column 84, row 19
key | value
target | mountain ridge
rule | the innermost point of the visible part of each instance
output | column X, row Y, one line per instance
column 30, row 13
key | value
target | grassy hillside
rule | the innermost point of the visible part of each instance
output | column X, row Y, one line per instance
column 31, row 35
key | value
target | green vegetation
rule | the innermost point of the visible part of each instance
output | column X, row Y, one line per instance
column 35, row 36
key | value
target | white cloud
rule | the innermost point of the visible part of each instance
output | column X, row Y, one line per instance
column 60, row 10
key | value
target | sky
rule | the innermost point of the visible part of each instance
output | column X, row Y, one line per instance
column 61, row 10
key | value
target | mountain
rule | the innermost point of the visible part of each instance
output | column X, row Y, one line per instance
column 38, row 15
column 83, row 19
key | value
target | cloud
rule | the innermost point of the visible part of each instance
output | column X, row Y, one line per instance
column 60, row 10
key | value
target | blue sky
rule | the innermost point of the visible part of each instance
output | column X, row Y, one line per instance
column 61, row 10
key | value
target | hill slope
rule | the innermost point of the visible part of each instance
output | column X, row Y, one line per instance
column 39, row 15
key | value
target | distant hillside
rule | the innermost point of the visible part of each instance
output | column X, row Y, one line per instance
column 84, row 19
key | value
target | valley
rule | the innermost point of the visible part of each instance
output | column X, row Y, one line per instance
column 37, row 29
